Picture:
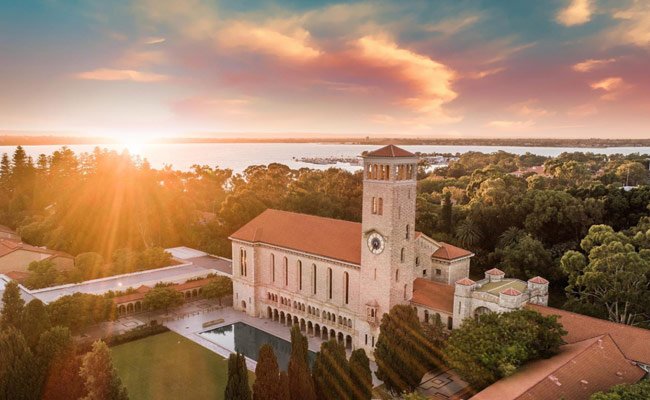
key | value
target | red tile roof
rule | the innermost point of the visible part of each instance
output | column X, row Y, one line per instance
column 539, row 280
column 6, row 229
column 634, row 342
column 495, row 271
column 579, row 370
column 450, row 252
column 327, row 237
column 9, row 246
column 465, row 282
column 17, row 275
column 511, row 292
column 193, row 284
column 434, row 295
column 390, row 151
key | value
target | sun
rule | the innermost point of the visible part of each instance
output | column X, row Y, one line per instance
column 133, row 144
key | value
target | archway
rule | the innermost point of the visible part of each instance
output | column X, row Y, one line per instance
column 295, row 320
column 317, row 330
column 348, row 342
column 282, row 318
column 269, row 313
column 303, row 325
column 332, row 334
column 129, row 308
column 310, row 328
column 243, row 305
column 340, row 338
column 479, row 311
column 121, row 310
column 289, row 319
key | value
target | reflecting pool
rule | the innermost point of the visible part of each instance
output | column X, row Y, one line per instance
column 248, row 340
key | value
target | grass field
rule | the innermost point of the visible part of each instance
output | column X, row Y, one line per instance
column 169, row 366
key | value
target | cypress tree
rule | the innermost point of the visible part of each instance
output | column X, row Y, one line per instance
column 100, row 378
column 267, row 375
column 283, row 393
column 237, row 387
column 18, row 369
column 34, row 322
column 332, row 372
column 301, row 384
column 446, row 212
column 12, row 307
column 360, row 375
column 403, row 353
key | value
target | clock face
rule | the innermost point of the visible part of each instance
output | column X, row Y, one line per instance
column 376, row 243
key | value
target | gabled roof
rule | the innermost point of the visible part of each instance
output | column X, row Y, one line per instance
column 390, row 151
column 8, row 246
column 434, row 295
column 326, row 237
column 576, row 372
column 450, row 252
column 634, row 342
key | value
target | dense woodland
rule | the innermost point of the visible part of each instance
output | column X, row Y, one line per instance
column 113, row 204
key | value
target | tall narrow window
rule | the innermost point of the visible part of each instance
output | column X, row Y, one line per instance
column 242, row 262
column 272, row 267
column 373, row 207
column 347, row 287
column 313, row 278
column 397, row 275
column 401, row 255
column 380, row 206
column 299, row 275
column 405, row 292
column 286, row 271
column 329, row 283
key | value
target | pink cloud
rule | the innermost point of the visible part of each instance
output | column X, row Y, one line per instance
column 108, row 74
column 591, row 64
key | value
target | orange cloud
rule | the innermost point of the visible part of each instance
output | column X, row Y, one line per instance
column 613, row 86
column 430, row 80
column 107, row 74
column 591, row 64
column 578, row 12
column 634, row 27
column 292, row 45
column 529, row 108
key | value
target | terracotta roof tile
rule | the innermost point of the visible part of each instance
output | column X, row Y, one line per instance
column 495, row 271
column 632, row 341
column 6, row 229
column 450, row 252
column 511, row 292
column 9, row 246
column 539, row 280
column 390, row 151
column 435, row 295
column 578, row 371
column 465, row 281
column 192, row 284
column 327, row 237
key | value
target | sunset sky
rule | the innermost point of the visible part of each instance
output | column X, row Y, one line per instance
column 558, row 68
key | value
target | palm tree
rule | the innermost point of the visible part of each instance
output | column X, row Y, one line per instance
column 468, row 233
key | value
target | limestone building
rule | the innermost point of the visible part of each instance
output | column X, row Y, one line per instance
column 337, row 278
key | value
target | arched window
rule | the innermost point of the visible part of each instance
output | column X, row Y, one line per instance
column 401, row 255
column 408, row 231
column 313, row 278
column 286, row 271
column 242, row 262
column 272, row 267
column 397, row 275
column 329, row 283
column 347, row 287
column 299, row 275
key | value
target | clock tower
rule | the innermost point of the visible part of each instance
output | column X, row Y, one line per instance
column 388, row 236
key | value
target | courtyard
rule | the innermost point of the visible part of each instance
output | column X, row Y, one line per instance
column 170, row 366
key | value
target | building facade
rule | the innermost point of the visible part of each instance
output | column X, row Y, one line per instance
column 334, row 278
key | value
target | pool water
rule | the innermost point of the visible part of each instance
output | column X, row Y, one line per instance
column 247, row 340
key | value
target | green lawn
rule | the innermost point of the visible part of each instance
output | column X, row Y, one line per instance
column 169, row 366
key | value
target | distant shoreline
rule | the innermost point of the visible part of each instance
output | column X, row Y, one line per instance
column 15, row 140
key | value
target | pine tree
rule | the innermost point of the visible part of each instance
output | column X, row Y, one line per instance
column 267, row 374
column 237, row 387
column 403, row 353
column 34, row 322
column 100, row 378
column 360, row 375
column 332, row 372
column 12, row 307
column 18, row 369
column 301, row 384
column 5, row 171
